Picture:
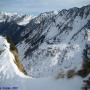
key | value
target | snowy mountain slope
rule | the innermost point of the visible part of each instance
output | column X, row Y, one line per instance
column 8, row 69
column 55, row 43
column 12, row 78
column 12, row 24
column 25, row 20
column 51, row 42
column 19, row 19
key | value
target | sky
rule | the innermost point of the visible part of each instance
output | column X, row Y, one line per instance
column 35, row 7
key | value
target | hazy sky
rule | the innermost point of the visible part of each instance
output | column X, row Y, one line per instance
column 34, row 7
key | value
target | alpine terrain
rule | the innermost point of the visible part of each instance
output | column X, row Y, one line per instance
column 50, row 51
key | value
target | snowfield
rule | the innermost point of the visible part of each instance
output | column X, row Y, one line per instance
column 11, row 77
column 51, row 47
column 55, row 42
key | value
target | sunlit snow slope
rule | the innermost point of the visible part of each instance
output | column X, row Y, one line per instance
column 12, row 78
column 8, row 69
column 51, row 42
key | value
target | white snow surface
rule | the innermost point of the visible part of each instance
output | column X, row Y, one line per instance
column 12, row 78
column 63, row 53
column 25, row 20
column 19, row 19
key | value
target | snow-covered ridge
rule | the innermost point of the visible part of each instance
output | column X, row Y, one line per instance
column 49, row 39
column 25, row 20
column 19, row 19
column 8, row 69
column 12, row 78
column 55, row 41
column 4, row 16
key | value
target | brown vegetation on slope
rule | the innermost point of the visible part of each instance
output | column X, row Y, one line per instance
column 14, row 50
